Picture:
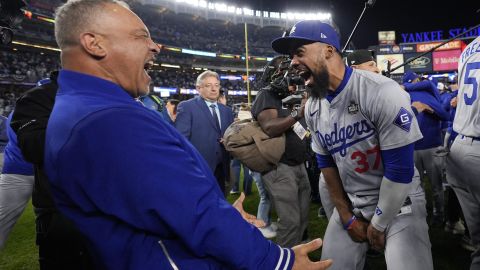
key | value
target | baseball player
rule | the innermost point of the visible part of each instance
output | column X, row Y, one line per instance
column 463, row 162
column 358, row 59
column 364, row 134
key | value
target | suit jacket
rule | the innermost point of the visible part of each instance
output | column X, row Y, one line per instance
column 194, row 120
column 166, row 117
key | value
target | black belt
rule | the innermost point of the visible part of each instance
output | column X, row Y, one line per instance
column 473, row 138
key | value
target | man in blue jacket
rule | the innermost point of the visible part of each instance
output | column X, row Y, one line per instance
column 203, row 121
column 140, row 193
column 425, row 149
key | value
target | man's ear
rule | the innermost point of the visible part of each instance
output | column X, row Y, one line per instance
column 329, row 52
column 93, row 44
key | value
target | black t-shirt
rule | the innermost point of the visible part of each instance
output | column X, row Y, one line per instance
column 295, row 149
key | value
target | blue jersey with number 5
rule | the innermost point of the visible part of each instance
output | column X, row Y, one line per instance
column 467, row 118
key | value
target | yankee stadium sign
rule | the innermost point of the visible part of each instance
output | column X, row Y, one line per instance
column 437, row 35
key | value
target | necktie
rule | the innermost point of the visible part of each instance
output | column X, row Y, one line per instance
column 215, row 116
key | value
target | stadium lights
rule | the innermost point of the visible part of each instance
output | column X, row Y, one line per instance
column 231, row 9
column 170, row 66
column 222, row 7
column 247, row 11
column 305, row 16
column 36, row 46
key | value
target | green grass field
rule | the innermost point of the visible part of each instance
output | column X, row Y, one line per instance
column 20, row 251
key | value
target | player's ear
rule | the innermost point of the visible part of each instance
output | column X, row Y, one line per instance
column 329, row 51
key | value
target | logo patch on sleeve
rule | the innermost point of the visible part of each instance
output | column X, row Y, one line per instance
column 378, row 211
column 403, row 119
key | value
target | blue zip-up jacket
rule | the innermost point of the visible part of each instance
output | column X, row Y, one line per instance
column 430, row 124
column 14, row 163
column 446, row 97
column 138, row 190
column 453, row 133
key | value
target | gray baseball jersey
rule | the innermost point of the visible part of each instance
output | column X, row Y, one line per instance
column 467, row 117
column 370, row 113
column 463, row 162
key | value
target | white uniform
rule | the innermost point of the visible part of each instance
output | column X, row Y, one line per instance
column 370, row 113
column 463, row 162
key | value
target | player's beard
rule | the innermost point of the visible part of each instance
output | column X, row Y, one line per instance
column 321, row 81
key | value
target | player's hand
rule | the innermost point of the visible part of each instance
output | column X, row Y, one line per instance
column 302, row 262
column 453, row 102
column 376, row 238
column 422, row 107
column 301, row 109
column 238, row 204
column 358, row 230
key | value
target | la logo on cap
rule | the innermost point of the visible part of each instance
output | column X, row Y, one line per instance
column 293, row 29
column 322, row 35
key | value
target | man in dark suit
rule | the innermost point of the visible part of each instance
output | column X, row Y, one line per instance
column 203, row 121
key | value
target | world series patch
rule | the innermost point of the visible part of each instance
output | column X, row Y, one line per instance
column 403, row 119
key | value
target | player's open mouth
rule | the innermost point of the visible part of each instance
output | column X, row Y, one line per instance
column 307, row 76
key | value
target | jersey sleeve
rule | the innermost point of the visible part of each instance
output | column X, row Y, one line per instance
column 390, row 111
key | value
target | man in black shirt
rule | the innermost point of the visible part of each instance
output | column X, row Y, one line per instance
column 287, row 184
column 60, row 244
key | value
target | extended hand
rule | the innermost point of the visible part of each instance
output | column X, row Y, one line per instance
column 453, row 102
column 302, row 262
column 358, row 230
column 376, row 238
column 422, row 107
column 238, row 204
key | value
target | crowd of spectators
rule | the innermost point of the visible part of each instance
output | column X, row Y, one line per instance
column 26, row 67
column 20, row 70
column 180, row 30
column 214, row 36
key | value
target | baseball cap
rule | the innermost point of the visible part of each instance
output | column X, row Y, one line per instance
column 359, row 57
column 306, row 32
column 409, row 76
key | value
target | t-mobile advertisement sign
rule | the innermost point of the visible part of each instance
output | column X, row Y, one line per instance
column 446, row 60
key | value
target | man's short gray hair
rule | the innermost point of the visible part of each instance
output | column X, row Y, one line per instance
column 77, row 16
column 205, row 75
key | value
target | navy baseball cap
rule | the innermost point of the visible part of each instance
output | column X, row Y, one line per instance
column 409, row 76
column 306, row 32
column 359, row 57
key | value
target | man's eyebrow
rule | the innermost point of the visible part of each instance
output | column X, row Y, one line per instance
column 141, row 31
column 299, row 49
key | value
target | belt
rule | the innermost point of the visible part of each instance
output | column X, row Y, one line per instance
column 472, row 138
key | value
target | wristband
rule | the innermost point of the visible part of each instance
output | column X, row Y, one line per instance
column 350, row 222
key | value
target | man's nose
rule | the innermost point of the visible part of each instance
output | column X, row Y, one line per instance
column 294, row 63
